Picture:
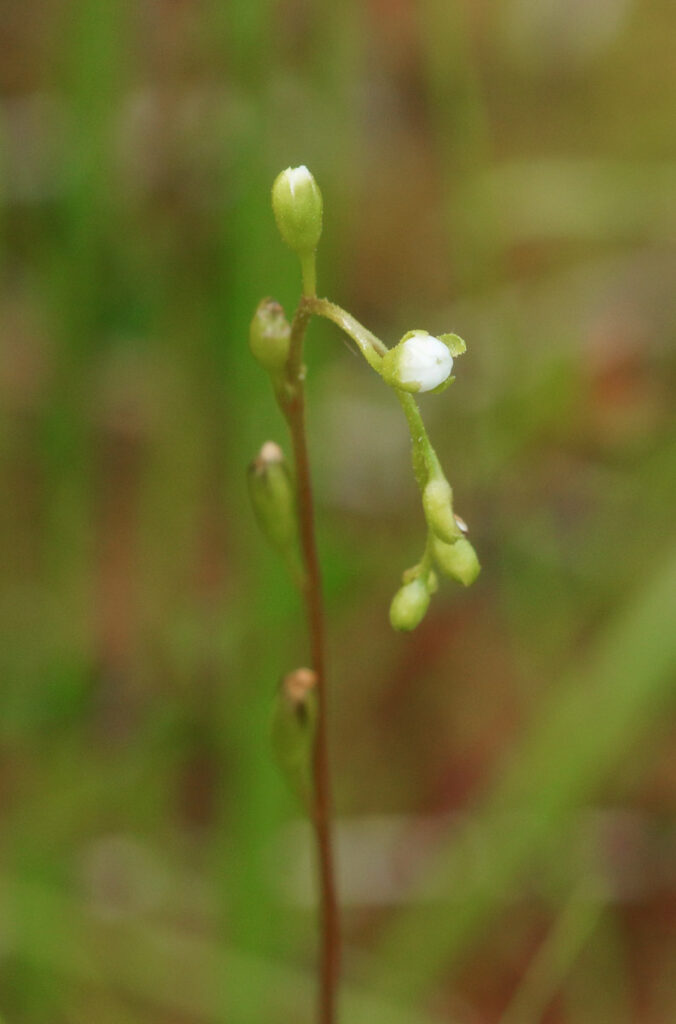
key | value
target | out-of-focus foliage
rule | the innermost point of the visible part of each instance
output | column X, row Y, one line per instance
column 505, row 774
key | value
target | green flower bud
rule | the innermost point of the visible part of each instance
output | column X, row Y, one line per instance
column 437, row 502
column 420, row 362
column 297, row 205
column 270, row 335
column 410, row 604
column 293, row 730
column 458, row 560
column 272, row 496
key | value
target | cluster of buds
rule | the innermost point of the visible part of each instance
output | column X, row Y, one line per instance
column 458, row 561
column 419, row 363
column 448, row 550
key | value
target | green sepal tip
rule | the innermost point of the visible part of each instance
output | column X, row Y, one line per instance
column 454, row 343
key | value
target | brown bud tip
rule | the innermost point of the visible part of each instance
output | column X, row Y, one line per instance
column 298, row 684
column 270, row 452
column 462, row 525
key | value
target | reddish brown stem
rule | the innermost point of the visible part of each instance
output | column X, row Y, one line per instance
column 293, row 405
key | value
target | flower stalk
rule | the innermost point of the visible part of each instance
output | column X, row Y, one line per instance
column 420, row 362
column 293, row 407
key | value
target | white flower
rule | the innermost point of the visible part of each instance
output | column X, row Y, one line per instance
column 420, row 362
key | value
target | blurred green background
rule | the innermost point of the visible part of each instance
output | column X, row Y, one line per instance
column 506, row 775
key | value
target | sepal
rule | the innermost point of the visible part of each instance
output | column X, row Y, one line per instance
column 454, row 343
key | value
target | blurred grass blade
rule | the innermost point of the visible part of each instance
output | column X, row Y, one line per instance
column 590, row 721
column 554, row 959
column 181, row 972
column 583, row 199
column 600, row 987
column 460, row 121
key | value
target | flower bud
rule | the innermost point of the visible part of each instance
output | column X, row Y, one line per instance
column 420, row 362
column 409, row 605
column 270, row 335
column 272, row 496
column 293, row 730
column 437, row 499
column 297, row 205
column 458, row 560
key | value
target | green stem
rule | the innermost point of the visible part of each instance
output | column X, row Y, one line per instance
column 308, row 267
column 371, row 347
column 425, row 461
column 426, row 563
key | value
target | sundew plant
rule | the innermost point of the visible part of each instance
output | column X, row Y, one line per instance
column 283, row 504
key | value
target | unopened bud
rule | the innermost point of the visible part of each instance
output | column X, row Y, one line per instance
column 297, row 205
column 293, row 730
column 458, row 560
column 437, row 499
column 409, row 605
column 420, row 362
column 272, row 496
column 270, row 335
